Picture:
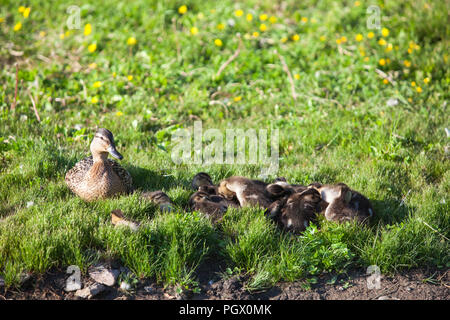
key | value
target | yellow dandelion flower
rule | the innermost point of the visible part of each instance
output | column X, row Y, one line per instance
column 410, row 100
column 273, row 19
column 338, row 41
column 21, row 9
column 413, row 84
column 194, row 31
column 131, row 41
column 62, row 36
column 284, row 39
column 263, row 17
column 304, row 20
column 407, row 63
column 94, row 100
column 426, row 80
column 182, row 9
column 382, row 42
column 42, row 34
column 263, row 27
column 249, row 17
column 97, row 84
column 221, row 26
column 322, row 38
column 18, row 26
column 238, row 13
column 218, row 42
column 370, row 35
column 130, row 77
column 382, row 62
column 92, row 47
column 255, row 34
column 87, row 29
column 119, row 113
column 385, row 81
column 419, row 89
column 295, row 37
column 389, row 47
column 114, row 74
column 2, row 19
column 93, row 65
column 26, row 12
column 357, row 3
column 417, row 47
column 67, row 33
column 362, row 53
column 385, row 32
column 297, row 76
column 238, row 98
column 366, row 59
column 359, row 37
column 410, row 50
column 343, row 39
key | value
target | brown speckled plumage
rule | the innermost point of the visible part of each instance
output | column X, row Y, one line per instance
column 97, row 177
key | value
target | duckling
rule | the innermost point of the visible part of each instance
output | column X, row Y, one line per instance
column 98, row 177
column 295, row 212
column 280, row 187
column 247, row 192
column 118, row 219
column 201, row 179
column 343, row 203
column 160, row 198
column 212, row 205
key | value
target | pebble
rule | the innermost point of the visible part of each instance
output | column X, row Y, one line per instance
column 125, row 286
column 104, row 275
column 91, row 291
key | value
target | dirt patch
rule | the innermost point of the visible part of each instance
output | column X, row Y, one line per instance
column 419, row 284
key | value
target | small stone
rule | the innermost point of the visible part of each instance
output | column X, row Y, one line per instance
column 30, row 204
column 387, row 298
column 104, row 275
column 149, row 289
column 91, row 291
column 125, row 286
column 392, row 102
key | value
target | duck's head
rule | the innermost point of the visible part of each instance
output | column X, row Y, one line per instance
column 103, row 143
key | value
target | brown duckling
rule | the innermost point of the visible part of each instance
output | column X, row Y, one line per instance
column 201, row 179
column 159, row 198
column 248, row 192
column 295, row 212
column 118, row 219
column 212, row 205
column 343, row 203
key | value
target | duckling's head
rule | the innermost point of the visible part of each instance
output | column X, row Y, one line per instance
column 103, row 143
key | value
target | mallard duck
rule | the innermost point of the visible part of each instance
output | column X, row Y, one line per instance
column 343, row 203
column 248, row 192
column 213, row 206
column 160, row 198
column 97, row 177
column 201, row 179
column 295, row 212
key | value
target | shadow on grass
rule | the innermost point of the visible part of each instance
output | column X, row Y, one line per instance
column 390, row 211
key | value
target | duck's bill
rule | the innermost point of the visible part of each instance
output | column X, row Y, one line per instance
column 113, row 152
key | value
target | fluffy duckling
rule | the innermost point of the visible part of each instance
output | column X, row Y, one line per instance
column 118, row 219
column 201, row 179
column 159, row 198
column 343, row 203
column 248, row 192
column 212, row 205
column 98, row 177
column 280, row 187
column 295, row 212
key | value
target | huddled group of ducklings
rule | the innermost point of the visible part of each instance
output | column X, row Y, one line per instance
column 293, row 207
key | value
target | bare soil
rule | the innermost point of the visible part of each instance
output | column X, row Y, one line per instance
column 418, row 284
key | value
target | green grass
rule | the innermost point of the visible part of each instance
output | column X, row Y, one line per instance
column 340, row 128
